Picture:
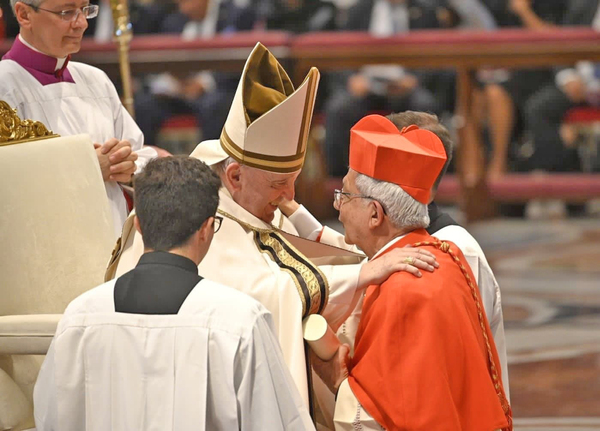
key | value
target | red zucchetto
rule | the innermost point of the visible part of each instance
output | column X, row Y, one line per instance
column 412, row 158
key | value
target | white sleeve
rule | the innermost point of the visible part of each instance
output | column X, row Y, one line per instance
column 127, row 128
column 44, row 395
column 267, row 396
column 343, row 292
column 310, row 228
column 488, row 283
column 306, row 224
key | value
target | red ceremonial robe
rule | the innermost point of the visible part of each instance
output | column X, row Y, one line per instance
column 421, row 360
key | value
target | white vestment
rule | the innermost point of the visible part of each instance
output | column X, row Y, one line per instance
column 216, row 365
column 90, row 105
column 235, row 260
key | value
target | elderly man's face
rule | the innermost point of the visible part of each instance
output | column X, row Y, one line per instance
column 353, row 214
column 261, row 191
column 50, row 33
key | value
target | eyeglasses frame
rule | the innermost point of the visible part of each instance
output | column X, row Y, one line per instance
column 92, row 9
column 337, row 198
column 218, row 222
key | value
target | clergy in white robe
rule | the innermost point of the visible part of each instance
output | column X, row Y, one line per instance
column 70, row 98
column 258, row 163
column 213, row 365
column 161, row 347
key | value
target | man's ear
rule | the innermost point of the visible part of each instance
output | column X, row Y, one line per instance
column 206, row 230
column 233, row 176
column 376, row 214
column 136, row 223
column 23, row 13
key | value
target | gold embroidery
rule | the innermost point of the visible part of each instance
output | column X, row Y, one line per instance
column 13, row 130
column 313, row 78
column 282, row 164
column 310, row 282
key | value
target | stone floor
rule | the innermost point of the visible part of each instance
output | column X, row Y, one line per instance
column 549, row 274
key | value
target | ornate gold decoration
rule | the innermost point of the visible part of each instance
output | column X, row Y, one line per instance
column 310, row 282
column 13, row 130
column 123, row 35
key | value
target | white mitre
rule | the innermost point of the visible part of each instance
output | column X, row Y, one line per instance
column 268, row 123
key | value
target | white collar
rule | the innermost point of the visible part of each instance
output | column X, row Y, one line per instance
column 388, row 245
column 59, row 61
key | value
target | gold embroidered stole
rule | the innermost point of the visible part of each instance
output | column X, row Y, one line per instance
column 311, row 284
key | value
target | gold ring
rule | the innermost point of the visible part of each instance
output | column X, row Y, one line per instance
column 409, row 260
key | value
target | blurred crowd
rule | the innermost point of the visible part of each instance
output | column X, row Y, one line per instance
column 517, row 114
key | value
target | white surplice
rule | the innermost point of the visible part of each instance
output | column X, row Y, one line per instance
column 235, row 260
column 216, row 365
column 90, row 105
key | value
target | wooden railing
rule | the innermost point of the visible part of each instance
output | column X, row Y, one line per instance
column 464, row 51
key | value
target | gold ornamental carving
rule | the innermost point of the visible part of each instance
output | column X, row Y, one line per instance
column 13, row 130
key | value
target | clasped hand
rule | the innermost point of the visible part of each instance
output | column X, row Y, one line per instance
column 116, row 159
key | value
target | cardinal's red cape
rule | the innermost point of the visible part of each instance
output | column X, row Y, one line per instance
column 421, row 358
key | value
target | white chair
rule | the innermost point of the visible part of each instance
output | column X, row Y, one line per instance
column 55, row 239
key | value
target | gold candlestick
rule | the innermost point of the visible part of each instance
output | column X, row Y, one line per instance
column 123, row 34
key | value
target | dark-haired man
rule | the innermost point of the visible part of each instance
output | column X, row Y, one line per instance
column 161, row 345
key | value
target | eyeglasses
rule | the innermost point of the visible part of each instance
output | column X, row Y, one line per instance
column 217, row 223
column 71, row 15
column 337, row 198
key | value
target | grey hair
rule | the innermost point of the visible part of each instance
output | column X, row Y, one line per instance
column 34, row 3
column 221, row 167
column 404, row 211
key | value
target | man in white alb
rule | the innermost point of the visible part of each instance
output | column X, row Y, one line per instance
column 161, row 347
column 37, row 78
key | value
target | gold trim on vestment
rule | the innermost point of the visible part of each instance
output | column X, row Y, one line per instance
column 311, row 284
column 308, row 110
column 13, row 130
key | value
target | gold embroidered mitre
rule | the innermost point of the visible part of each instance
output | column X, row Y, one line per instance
column 268, row 123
